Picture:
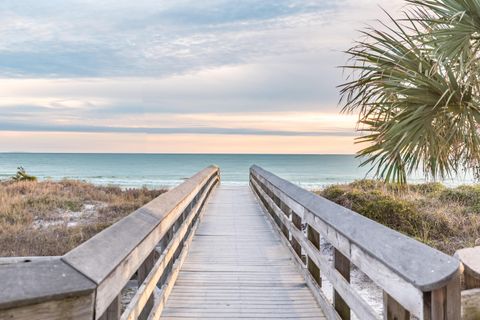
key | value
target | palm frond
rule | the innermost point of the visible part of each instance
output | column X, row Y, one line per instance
column 417, row 99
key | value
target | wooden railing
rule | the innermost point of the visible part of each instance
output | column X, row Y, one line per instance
column 416, row 279
column 147, row 247
column 470, row 258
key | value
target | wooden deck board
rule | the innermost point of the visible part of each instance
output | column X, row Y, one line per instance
column 238, row 268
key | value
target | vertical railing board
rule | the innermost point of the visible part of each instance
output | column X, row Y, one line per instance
column 342, row 264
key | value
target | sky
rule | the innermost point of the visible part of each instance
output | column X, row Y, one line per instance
column 186, row 76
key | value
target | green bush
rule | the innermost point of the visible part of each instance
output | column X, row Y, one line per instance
column 466, row 195
column 428, row 188
column 22, row 175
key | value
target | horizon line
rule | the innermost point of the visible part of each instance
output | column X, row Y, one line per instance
column 179, row 153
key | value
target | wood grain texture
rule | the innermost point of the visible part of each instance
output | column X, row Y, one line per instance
column 73, row 308
column 113, row 311
column 392, row 310
column 40, row 280
column 470, row 258
column 471, row 304
column 237, row 267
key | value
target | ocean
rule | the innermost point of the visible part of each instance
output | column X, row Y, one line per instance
column 167, row 170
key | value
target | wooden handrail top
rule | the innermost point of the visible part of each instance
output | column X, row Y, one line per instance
column 470, row 257
column 422, row 266
column 25, row 283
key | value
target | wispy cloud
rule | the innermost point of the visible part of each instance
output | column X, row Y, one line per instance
column 15, row 126
column 125, row 38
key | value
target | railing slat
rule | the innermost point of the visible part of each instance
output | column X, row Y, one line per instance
column 342, row 264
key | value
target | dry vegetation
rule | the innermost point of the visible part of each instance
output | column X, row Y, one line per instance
column 445, row 218
column 50, row 218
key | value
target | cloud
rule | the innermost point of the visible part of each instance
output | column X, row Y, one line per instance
column 22, row 127
column 148, row 38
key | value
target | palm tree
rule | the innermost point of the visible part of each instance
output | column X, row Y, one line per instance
column 415, row 85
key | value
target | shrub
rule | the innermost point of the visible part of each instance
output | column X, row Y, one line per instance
column 22, row 175
column 444, row 218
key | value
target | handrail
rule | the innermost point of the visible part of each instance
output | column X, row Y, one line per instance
column 86, row 283
column 416, row 279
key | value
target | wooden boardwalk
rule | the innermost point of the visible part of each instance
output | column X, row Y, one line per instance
column 203, row 250
column 237, row 267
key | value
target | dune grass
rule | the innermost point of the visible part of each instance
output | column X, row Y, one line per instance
column 445, row 218
column 50, row 218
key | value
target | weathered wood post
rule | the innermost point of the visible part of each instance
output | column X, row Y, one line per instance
column 470, row 258
column 444, row 303
column 113, row 312
column 392, row 310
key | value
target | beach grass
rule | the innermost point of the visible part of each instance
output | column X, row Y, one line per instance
column 445, row 218
column 50, row 218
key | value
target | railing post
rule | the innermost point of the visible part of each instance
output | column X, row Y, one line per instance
column 470, row 258
column 444, row 303
column 392, row 310
column 314, row 237
column 113, row 311
column 342, row 264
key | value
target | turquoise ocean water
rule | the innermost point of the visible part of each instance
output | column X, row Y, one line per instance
column 156, row 170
